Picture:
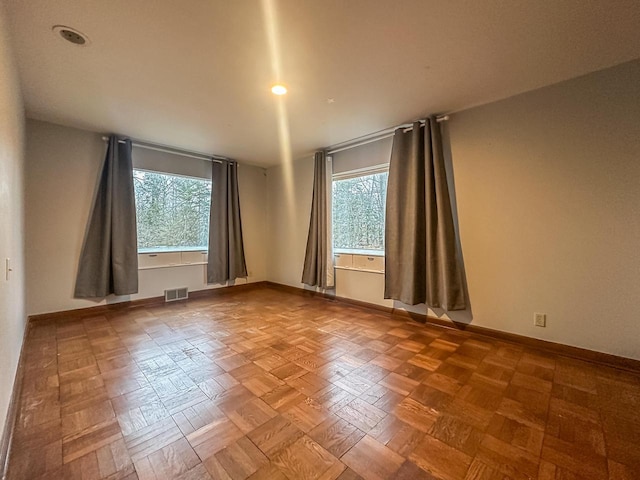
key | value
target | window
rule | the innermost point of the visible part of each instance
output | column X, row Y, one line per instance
column 358, row 211
column 172, row 211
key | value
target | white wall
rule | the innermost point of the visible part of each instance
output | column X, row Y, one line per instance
column 548, row 192
column 62, row 166
column 12, row 316
column 548, row 195
column 288, row 211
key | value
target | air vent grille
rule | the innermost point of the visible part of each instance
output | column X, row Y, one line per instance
column 176, row 294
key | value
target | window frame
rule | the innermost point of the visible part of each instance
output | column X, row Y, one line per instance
column 350, row 174
column 169, row 249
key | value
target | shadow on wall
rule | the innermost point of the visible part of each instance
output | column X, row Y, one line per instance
column 462, row 316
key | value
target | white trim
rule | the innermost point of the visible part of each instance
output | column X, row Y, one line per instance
column 329, row 262
column 366, row 270
column 172, row 265
column 361, row 172
column 355, row 251
column 168, row 174
column 177, row 249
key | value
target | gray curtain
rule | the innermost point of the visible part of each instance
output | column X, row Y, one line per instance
column 109, row 259
column 226, row 249
column 421, row 262
column 318, row 261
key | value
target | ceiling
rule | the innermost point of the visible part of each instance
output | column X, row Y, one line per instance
column 197, row 74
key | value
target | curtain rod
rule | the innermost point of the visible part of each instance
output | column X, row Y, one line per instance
column 175, row 151
column 376, row 136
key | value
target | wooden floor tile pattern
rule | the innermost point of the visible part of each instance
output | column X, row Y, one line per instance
column 264, row 384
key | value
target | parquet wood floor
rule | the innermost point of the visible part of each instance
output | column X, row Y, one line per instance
column 264, row 384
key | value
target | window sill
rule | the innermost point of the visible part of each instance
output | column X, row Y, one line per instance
column 366, row 270
column 153, row 267
column 355, row 251
column 145, row 251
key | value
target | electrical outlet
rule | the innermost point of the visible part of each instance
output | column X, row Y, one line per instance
column 540, row 319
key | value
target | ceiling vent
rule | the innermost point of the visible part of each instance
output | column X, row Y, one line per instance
column 71, row 35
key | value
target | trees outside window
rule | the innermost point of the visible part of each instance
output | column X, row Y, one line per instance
column 358, row 212
column 172, row 211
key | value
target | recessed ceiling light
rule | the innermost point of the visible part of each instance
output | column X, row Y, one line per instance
column 71, row 35
column 279, row 89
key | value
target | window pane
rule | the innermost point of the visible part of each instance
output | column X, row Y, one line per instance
column 172, row 211
column 358, row 212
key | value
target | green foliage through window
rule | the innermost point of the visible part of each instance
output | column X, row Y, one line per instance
column 172, row 211
column 358, row 212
